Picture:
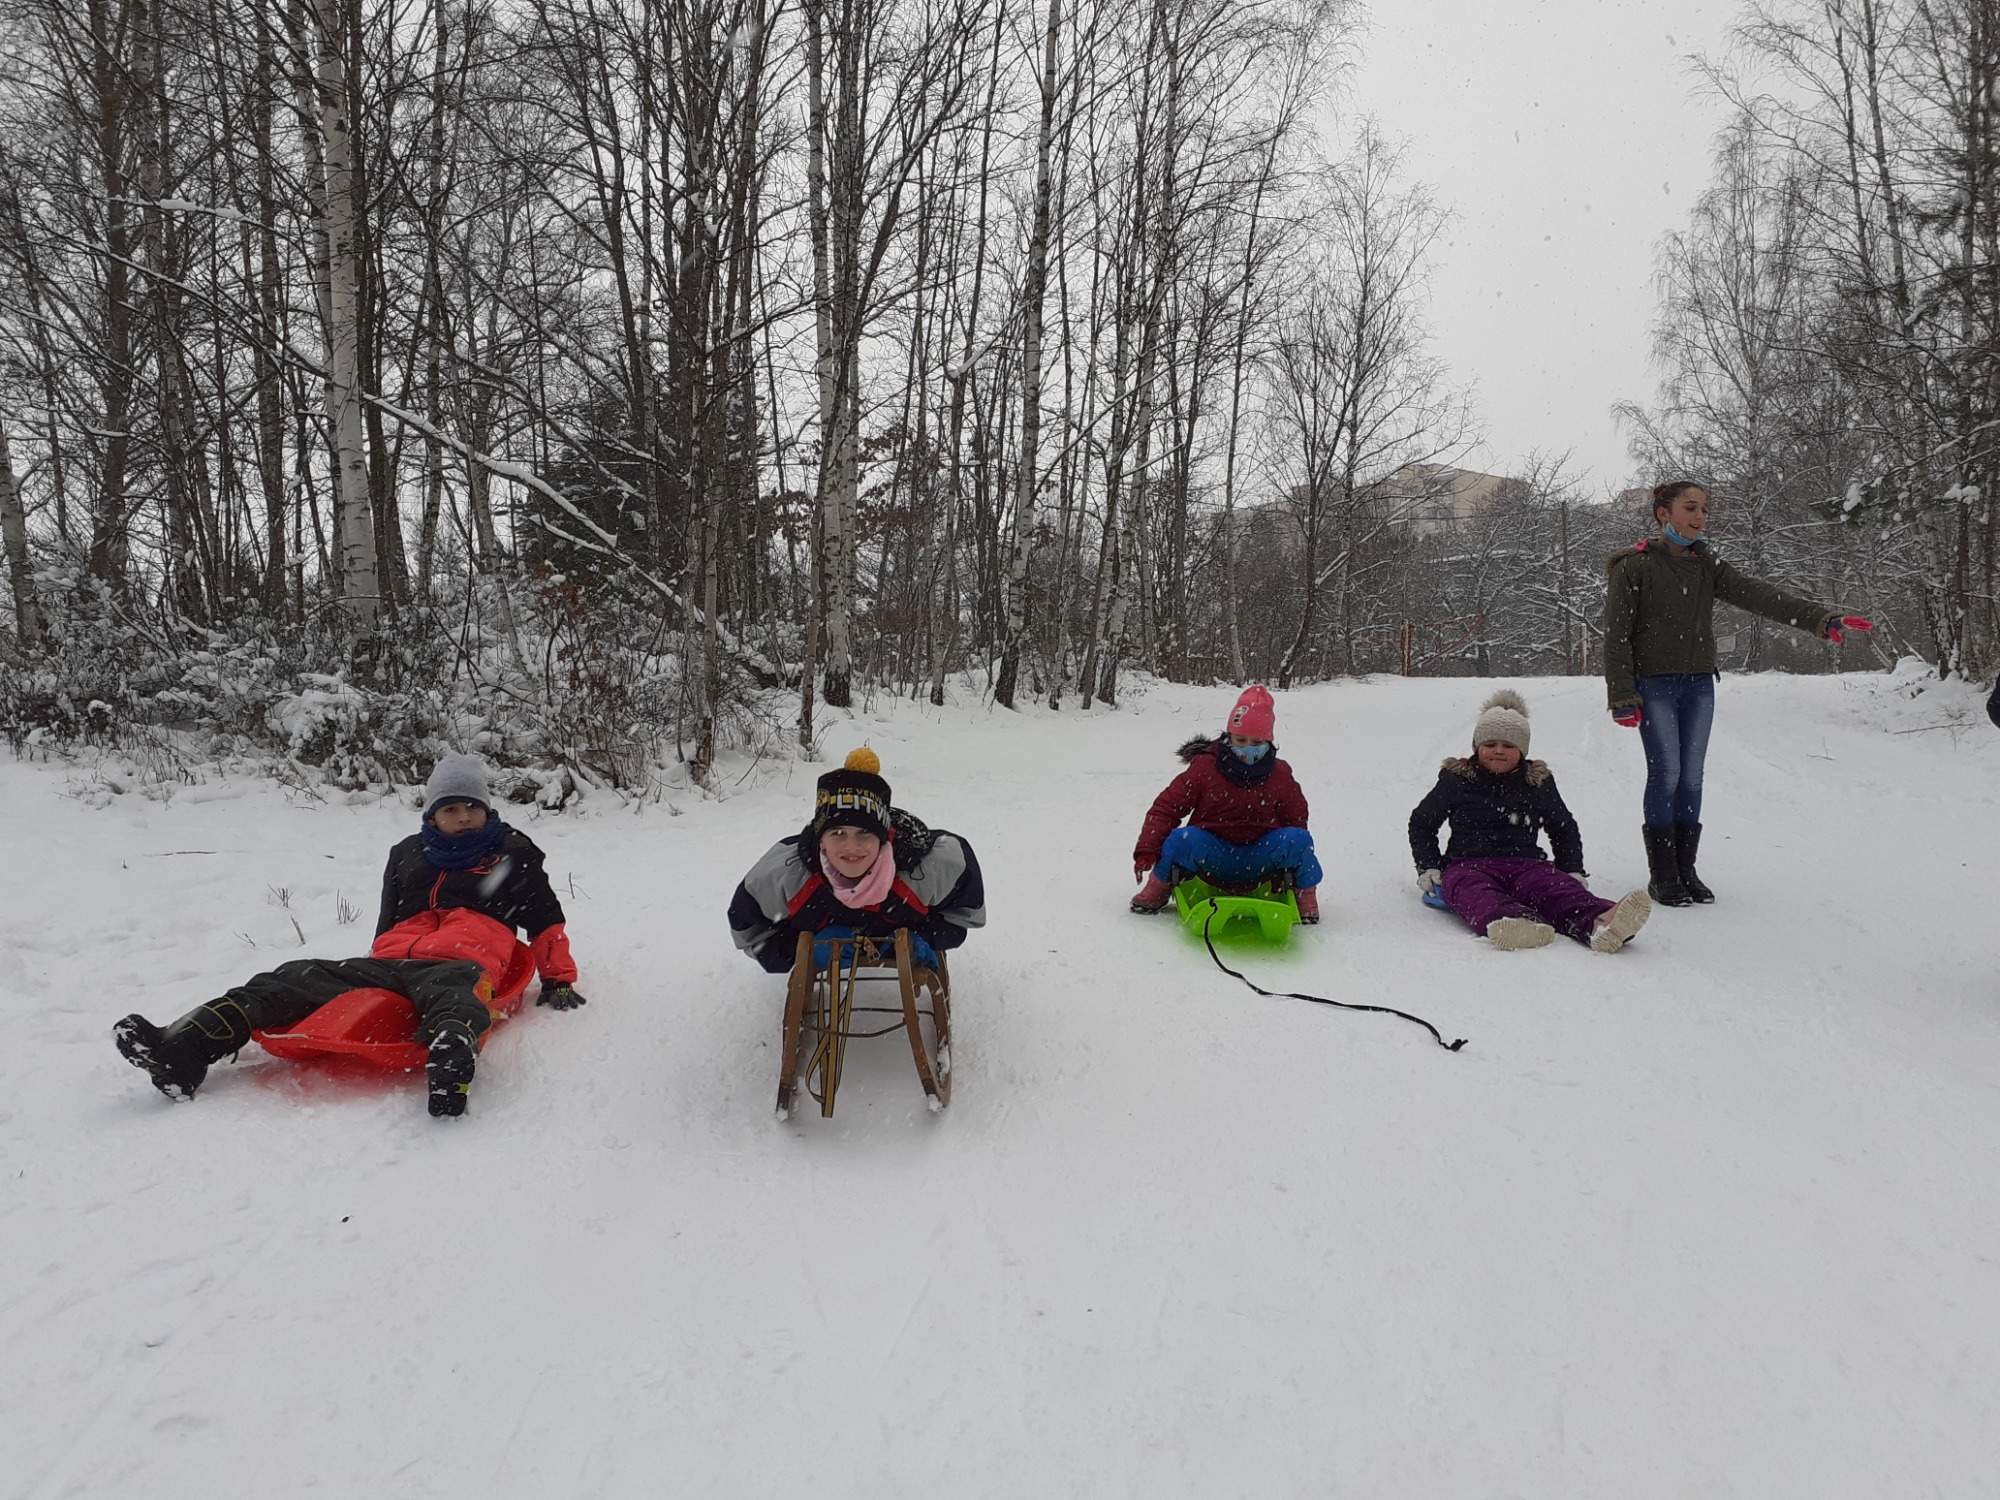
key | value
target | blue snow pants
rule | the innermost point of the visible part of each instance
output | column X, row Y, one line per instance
column 1197, row 851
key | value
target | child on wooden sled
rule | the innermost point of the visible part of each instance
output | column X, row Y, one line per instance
column 1494, row 874
column 452, row 896
column 861, row 867
column 1245, row 816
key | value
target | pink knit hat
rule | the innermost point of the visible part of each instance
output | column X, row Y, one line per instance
column 1253, row 717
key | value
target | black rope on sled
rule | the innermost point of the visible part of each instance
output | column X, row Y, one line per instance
column 1383, row 1010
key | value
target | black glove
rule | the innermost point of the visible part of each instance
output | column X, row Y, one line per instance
column 559, row 997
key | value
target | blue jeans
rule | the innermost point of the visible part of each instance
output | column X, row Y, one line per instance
column 1677, row 712
column 1199, row 852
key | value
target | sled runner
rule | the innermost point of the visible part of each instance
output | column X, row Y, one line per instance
column 1268, row 909
column 820, row 1009
column 379, row 1027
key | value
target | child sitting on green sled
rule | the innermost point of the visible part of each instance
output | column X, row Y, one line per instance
column 1245, row 816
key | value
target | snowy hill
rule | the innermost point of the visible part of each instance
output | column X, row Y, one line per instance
column 1714, row 1217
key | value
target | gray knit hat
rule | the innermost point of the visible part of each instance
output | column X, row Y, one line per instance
column 457, row 778
column 1503, row 717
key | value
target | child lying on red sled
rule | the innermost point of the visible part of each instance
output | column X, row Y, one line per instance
column 452, row 896
column 1246, row 817
column 861, row 867
column 1494, row 875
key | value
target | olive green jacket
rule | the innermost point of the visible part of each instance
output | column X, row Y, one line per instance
column 1659, row 613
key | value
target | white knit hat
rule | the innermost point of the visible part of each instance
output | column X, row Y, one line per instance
column 457, row 778
column 1503, row 717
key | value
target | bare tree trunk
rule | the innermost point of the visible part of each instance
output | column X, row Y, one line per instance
column 14, row 541
column 833, row 368
column 269, row 297
column 434, row 333
column 354, row 522
column 109, row 73
column 1033, row 294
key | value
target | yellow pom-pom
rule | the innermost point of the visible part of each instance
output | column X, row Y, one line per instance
column 865, row 761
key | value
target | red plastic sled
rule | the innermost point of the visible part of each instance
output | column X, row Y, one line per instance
column 379, row 1027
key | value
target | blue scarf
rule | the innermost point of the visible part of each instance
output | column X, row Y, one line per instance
column 1240, row 772
column 463, row 851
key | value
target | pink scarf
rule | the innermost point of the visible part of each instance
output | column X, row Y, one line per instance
column 870, row 888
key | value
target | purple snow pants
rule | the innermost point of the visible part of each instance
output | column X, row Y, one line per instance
column 1484, row 890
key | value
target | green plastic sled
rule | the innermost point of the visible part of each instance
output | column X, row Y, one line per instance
column 1268, row 911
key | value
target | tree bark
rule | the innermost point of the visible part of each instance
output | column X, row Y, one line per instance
column 14, row 541
column 354, row 523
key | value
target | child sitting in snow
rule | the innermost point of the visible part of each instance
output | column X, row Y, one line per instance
column 1246, row 817
column 861, row 867
column 452, row 896
column 1494, row 874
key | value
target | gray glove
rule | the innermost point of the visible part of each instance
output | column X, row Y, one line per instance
column 1430, row 880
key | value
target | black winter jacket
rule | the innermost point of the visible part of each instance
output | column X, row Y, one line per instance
column 1494, row 817
column 513, row 888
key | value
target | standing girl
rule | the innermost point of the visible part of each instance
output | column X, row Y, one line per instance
column 1659, row 668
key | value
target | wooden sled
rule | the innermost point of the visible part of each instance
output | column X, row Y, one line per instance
column 379, row 1027
column 1268, row 909
column 820, row 1009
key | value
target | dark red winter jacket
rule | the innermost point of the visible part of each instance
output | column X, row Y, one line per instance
column 1229, row 799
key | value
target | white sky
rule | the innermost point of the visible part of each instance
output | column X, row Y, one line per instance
column 1567, row 136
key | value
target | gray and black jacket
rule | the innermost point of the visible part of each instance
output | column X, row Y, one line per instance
column 938, row 894
column 1659, row 613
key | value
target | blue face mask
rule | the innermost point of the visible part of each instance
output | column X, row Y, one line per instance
column 1667, row 527
column 1251, row 754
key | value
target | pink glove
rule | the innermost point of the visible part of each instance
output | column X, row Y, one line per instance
column 1626, row 718
column 1851, row 622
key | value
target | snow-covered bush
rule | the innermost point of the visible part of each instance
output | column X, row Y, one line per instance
column 560, row 685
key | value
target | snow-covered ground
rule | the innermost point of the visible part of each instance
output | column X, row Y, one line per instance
column 1714, row 1217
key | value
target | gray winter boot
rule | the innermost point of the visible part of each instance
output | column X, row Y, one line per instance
column 1626, row 918
column 1511, row 933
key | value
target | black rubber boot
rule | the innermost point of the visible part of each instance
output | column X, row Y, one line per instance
column 452, row 1060
column 178, row 1058
column 1663, row 859
column 1687, row 841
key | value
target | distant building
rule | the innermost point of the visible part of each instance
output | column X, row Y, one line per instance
column 1426, row 499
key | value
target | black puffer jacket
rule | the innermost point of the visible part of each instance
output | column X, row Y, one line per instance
column 511, row 886
column 1494, row 817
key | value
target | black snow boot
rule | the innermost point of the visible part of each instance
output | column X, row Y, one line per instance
column 1687, row 841
column 453, row 1057
column 178, row 1058
column 1663, row 859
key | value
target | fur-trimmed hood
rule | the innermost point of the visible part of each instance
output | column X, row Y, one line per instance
column 1536, row 771
column 1217, row 792
column 1232, row 769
